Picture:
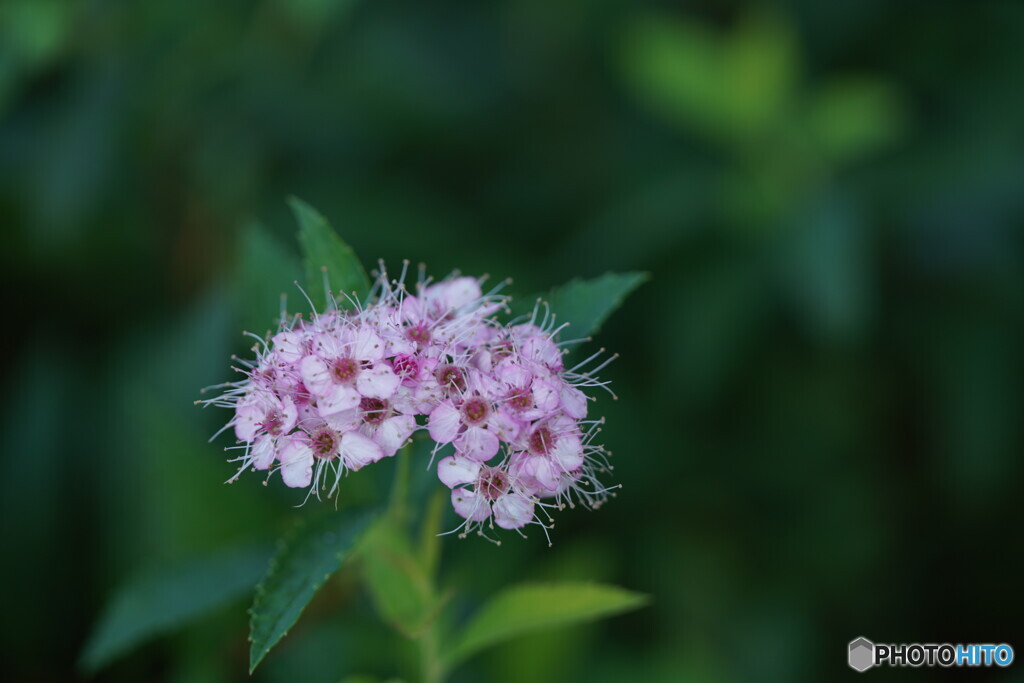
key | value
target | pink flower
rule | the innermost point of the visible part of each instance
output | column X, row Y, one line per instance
column 261, row 420
column 549, row 450
column 535, row 345
column 523, row 394
column 345, row 366
column 379, row 420
column 326, row 450
column 492, row 493
column 473, row 424
column 329, row 395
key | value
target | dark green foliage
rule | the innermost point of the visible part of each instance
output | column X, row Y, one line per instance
column 819, row 388
column 304, row 561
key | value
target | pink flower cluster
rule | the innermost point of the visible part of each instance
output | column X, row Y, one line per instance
column 348, row 388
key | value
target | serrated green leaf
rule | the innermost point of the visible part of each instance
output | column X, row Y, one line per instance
column 398, row 584
column 323, row 248
column 266, row 271
column 163, row 599
column 586, row 304
column 531, row 607
column 303, row 563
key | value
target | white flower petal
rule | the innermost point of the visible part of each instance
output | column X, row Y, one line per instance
column 504, row 426
column 545, row 396
column 477, row 443
column 316, row 375
column 469, row 505
column 380, row 381
column 443, row 423
column 344, row 420
column 538, row 473
column 340, row 397
column 366, row 345
column 358, row 450
column 454, row 294
column 512, row 511
column 263, row 452
column 574, row 402
column 288, row 346
column 393, row 432
column 289, row 415
column 568, row 452
column 453, row 471
column 248, row 417
column 296, row 464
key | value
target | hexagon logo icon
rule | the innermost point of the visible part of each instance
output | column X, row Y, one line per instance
column 862, row 654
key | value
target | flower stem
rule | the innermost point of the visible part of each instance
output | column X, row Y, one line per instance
column 399, row 502
column 432, row 669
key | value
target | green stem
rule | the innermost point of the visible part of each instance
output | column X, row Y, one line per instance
column 432, row 669
column 430, row 542
column 397, row 506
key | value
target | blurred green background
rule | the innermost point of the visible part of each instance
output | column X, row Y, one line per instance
column 819, row 424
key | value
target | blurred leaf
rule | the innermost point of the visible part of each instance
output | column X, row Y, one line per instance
column 727, row 87
column 538, row 657
column 826, row 262
column 676, row 67
column 586, row 304
column 35, row 29
column 266, row 272
column 430, row 541
column 314, row 14
column 523, row 609
column 852, row 118
column 166, row 598
column 323, row 248
column 761, row 72
column 304, row 562
column 398, row 584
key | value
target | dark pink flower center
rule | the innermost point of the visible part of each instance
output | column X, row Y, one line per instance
column 474, row 411
column 493, row 483
column 345, row 369
column 451, row 378
column 324, row 443
column 520, row 399
column 374, row 410
column 418, row 333
column 541, row 441
column 501, row 351
column 273, row 423
column 405, row 366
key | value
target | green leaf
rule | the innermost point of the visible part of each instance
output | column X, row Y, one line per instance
column 304, row 562
column 762, row 69
column 397, row 582
column 586, row 304
column 729, row 87
column 323, row 248
column 266, row 272
column 158, row 601
column 855, row 117
column 531, row 607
